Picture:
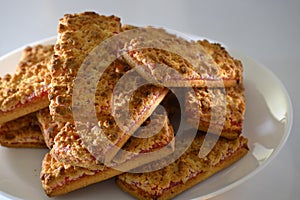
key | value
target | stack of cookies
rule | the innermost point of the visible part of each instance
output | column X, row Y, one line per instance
column 21, row 95
column 97, row 126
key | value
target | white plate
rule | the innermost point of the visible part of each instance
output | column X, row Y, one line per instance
column 267, row 125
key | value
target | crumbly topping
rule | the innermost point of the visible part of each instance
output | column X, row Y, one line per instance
column 30, row 80
column 229, row 67
column 108, row 132
column 164, row 62
column 129, row 117
column 69, row 147
column 176, row 62
column 227, row 104
column 186, row 167
column 78, row 35
column 56, row 174
column 69, row 159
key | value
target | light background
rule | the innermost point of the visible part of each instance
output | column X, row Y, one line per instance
column 266, row 30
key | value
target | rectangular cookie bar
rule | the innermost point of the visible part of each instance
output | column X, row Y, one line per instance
column 60, row 177
column 23, row 132
column 185, row 172
column 175, row 62
column 78, row 35
column 26, row 91
column 69, row 148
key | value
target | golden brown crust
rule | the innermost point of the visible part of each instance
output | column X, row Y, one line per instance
column 69, row 148
column 78, row 35
column 141, row 104
column 21, row 110
column 185, row 172
column 70, row 51
column 168, row 62
column 58, row 178
column 226, row 105
column 26, row 91
column 61, row 177
column 231, row 67
column 23, row 132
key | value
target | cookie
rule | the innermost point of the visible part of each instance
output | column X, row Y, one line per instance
column 26, row 91
column 185, row 172
column 78, row 35
column 23, row 132
column 69, row 148
column 58, row 178
column 175, row 62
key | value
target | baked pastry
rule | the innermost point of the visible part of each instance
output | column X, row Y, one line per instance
column 68, row 58
column 78, row 35
column 59, row 177
column 23, row 132
column 27, row 90
column 219, row 111
column 142, row 103
column 185, row 172
column 230, row 67
column 69, row 148
column 175, row 62
column 104, row 142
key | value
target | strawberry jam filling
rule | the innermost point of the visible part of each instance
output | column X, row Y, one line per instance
column 29, row 99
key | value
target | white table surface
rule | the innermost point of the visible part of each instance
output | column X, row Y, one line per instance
column 266, row 30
